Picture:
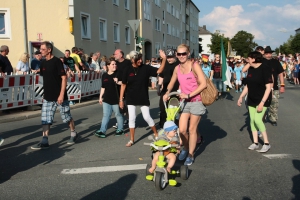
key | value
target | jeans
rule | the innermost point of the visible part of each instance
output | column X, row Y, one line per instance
column 219, row 84
column 107, row 111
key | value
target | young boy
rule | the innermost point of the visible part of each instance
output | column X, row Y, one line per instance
column 238, row 76
column 207, row 70
column 169, row 134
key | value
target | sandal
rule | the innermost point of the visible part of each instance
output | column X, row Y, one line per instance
column 129, row 143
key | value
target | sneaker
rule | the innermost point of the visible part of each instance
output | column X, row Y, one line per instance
column 265, row 148
column 40, row 146
column 183, row 154
column 115, row 126
column 200, row 140
column 1, row 141
column 119, row 132
column 126, row 122
column 100, row 134
column 259, row 134
column 236, row 91
column 73, row 139
column 189, row 161
column 241, row 90
column 253, row 146
column 274, row 123
column 71, row 103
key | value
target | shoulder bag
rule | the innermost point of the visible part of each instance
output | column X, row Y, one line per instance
column 210, row 93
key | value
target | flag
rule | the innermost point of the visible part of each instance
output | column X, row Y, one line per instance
column 226, row 75
column 229, row 49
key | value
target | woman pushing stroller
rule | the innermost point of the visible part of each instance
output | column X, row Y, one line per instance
column 192, row 81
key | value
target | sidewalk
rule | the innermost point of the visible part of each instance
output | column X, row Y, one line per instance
column 24, row 112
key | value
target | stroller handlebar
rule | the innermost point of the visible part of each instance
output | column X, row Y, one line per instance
column 173, row 93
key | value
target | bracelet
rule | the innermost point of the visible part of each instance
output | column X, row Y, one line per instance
column 121, row 100
column 262, row 101
column 282, row 85
column 188, row 96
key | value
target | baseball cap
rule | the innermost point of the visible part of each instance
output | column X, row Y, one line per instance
column 170, row 53
column 170, row 126
column 37, row 53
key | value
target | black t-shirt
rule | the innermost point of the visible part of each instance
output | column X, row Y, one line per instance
column 7, row 65
column 52, row 70
column 121, row 67
column 137, row 80
column 167, row 75
column 216, row 67
column 112, row 91
column 70, row 62
column 257, row 79
column 2, row 66
column 276, row 69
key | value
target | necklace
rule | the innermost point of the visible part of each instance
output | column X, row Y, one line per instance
column 135, row 69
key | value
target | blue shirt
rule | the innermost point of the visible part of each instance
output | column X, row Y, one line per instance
column 238, row 72
column 206, row 70
column 297, row 68
column 230, row 69
column 35, row 64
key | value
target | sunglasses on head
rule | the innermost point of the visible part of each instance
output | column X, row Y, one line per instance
column 181, row 54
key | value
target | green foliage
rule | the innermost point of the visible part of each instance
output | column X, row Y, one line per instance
column 243, row 43
column 285, row 48
column 295, row 44
column 215, row 43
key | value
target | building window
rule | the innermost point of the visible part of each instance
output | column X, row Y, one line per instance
column 164, row 15
column 5, row 23
column 168, row 7
column 126, row 4
column 103, row 29
column 116, row 2
column 177, row 14
column 116, row 32
column 157, row 24
column 178, row 33
column 127, row 35
column 157, row 2
column 147, row 10
column 164, row 40
column 173, row 31
column 85, row 26
column 169, row 29
column 157, row 48
column 172, row 9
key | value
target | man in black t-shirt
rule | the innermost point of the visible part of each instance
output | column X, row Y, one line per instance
column 122, row 65
column 55, row 94
column 8, row 69
column 70, row 62
column 170, row 61
column 277, row 72
column 216, row 69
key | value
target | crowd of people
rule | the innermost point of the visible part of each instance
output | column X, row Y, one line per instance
column 255, row 77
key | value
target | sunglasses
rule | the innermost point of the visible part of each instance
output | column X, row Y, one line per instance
column 182, row 54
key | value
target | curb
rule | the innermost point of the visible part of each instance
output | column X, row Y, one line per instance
column 32, row 114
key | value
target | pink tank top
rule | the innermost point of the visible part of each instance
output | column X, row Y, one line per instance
column 188, row 83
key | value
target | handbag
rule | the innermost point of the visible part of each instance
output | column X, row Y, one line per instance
column 208, row 94
column 124, row 109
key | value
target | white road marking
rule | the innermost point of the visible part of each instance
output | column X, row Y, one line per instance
column 277, row 156
column 104, row 169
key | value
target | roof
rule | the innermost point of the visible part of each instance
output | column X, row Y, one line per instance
column 203, row 31
column 297, row 29
column 195, row 6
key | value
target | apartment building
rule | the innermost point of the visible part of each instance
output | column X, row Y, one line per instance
column 166, row 24
column 97, row 25
column 204, row 39
column 94, row 25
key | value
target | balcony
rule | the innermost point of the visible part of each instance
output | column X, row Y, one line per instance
column 187, row 27
column 187, row 11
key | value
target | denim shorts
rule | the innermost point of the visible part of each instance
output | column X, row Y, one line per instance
column 49, row 109
column 195, row 108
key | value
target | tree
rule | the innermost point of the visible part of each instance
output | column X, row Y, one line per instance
column 216, row 41
column 243, row 43
column 285, row 48
column 295, row 44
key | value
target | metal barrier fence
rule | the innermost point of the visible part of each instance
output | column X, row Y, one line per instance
column 27, row 90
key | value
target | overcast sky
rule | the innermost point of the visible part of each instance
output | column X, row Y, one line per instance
column 271, row 22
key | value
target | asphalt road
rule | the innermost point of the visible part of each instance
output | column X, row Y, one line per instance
column 223, row 169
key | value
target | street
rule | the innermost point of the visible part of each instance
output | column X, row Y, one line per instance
column 223, row 169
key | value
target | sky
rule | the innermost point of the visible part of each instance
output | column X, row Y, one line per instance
column 271, row 22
